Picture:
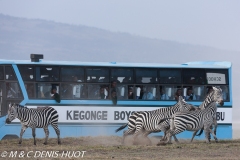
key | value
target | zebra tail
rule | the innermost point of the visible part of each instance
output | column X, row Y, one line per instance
column 122, row 127
column 199, row 134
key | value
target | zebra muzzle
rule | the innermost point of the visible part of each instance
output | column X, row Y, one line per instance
column 8, row 121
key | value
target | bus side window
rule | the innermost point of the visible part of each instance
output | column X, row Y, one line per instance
column 225, row 91
column 13, row 90
column 47, row 73
column 27, row 72
column 30, row 90
column 146, row 76
column 194, row 76
column 97, row 75
column 10, row 75
column 1, row 73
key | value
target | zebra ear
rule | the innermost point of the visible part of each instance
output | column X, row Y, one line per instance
column 10, row 105
column 180, row 98
column 216, row 88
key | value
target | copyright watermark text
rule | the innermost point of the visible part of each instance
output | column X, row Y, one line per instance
column 42, row 154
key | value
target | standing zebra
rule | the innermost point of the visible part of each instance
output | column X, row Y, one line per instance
column 34, row 118
column 148, row 122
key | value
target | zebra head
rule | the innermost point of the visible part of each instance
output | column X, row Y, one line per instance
column 218, row 95
column 12, row 113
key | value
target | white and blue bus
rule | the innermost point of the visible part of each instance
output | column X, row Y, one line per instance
column 97, row 98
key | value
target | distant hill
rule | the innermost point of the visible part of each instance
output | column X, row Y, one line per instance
column 58, row 41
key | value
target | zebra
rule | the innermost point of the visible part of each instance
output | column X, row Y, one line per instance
column 40, row 117
column 211, row 97
column 193, row 121
column 132, row 119
column 162, row 112
column 147, row 122
column 196, row 120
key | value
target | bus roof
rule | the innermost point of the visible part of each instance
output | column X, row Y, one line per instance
column 197, row 64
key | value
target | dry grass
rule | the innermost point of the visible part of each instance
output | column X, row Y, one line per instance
column 109, row 147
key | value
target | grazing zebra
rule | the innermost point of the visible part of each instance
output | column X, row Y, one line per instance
column 147, row 122
column 34, row 118
column 211, row 97
column 193, row 121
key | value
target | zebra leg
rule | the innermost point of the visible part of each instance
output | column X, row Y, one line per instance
column 46, row 134
column 21, row 133
column 215, row 126
column 126, row 133
column 214, row 136
column 164, row 136
column 194, row 134
column 145, row 135
column 55, row 126
column 34, row 135
column 207, row 133
column 175, row 138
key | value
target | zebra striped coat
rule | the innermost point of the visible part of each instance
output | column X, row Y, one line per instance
column 148, row 122
column 214, row 96
column 132, row 119
column 193, row 121
column 34, row 118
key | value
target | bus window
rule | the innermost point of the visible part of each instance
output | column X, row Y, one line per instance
column 44, row 90
column 131, row 93
column 225, row 91
column 30, row 90
column 27, row 73
column 217, row 76
column 146, row 76
column 98, row 91
column 72, row 74
column 71, row 91
column 193, row 93
column 50, row 73
column 122, row 75
column 1, row 73
column 170, row 76
column 96, row 75
column 146, row 92
column 169, row 92
column 194, row 76
column 9, row 73
column 13, row 90
column 122, row 91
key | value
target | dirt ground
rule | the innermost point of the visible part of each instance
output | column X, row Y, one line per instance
column 110, row 147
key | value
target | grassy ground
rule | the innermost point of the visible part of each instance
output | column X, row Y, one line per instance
column 109, row 147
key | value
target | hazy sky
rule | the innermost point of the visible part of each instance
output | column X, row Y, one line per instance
column 212, row 23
